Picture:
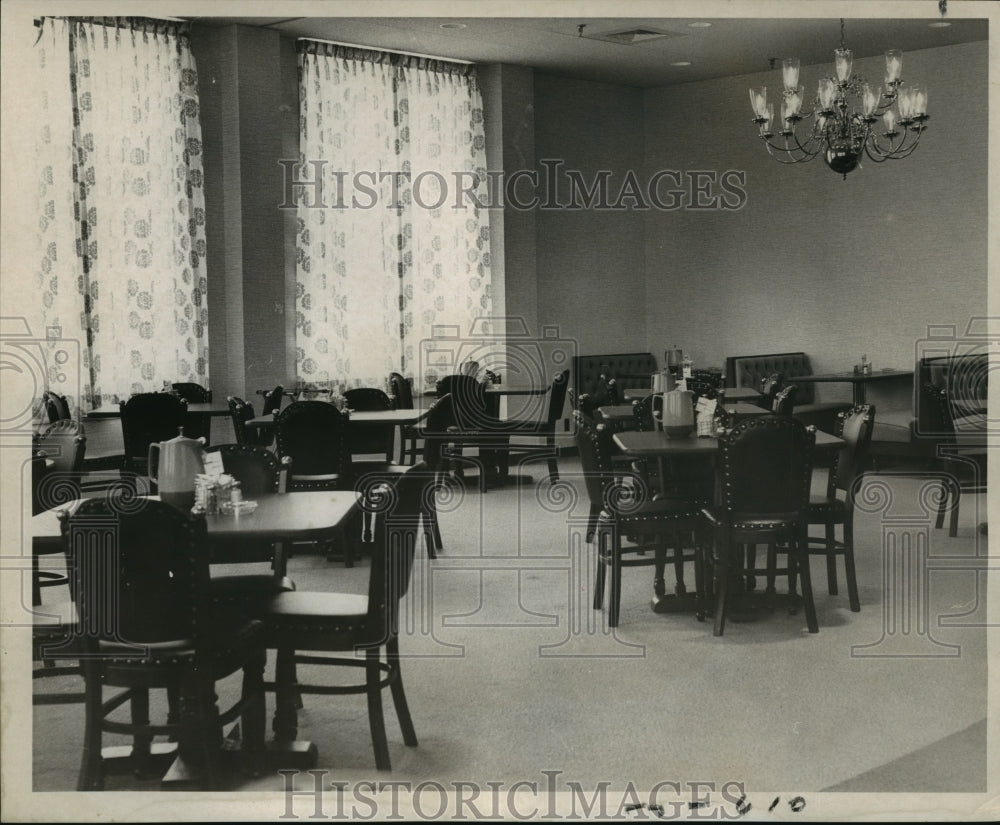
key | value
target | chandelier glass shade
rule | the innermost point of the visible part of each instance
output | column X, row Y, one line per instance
column 850, row 117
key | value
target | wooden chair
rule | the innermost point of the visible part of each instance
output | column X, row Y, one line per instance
column 241, row 412
column 145, row 418
column 855, row 428
column 545, row 429
column 784, row 400
column 960, row 457
column 196, row 426
column 626, row 507
column 766, row 467
column 259, row 471
column 305, row 627
column 314, row 436
column 147, row 622
column 272, row 399
column 366, row 440
column 409, row 438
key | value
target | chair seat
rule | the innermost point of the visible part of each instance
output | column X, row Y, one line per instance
column 822, row 506
column 249, row 584
column 650, row 515
column 230, row 638
column 312, row 606
column 320, row 621
column 747, row 523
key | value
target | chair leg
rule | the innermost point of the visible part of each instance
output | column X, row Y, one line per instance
column 285, row 724
column 659, row 566
column 91, row 769
column 945, row 498
column 802, row 562
column 679, row 586
column 399, row 695
column 376, row 719
column 849, row 572
column 141, row 743
column 601, row 572
column 751, row 563
column 953, row 521
column 831, row 560
column 252, row 721
column 615, row 596
column 721, row 592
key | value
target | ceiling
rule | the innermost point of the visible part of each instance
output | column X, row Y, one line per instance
column 730, row 46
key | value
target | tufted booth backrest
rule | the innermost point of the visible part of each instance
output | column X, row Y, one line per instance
column 749, row 370
column 965, row 380
column 629, row 369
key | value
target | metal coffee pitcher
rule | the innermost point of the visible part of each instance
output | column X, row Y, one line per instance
column 179, row 460
column 678, row 413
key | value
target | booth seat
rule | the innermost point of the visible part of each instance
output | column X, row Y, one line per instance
column 750, row 370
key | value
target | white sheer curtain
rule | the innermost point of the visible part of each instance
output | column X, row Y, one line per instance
column 122, row 208
column 378, row 268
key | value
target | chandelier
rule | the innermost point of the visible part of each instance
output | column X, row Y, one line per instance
column 844, row 115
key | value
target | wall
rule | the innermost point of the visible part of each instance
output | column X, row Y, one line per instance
column 813, row 262
column 590, row 261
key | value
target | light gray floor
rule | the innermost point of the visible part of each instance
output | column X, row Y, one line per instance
column 509, row 672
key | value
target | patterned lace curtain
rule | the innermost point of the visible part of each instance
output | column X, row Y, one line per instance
column 380, row 261
column 121, row 212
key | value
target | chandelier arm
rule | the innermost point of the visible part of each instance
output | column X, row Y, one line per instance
column 904, row 150
column 773, row 150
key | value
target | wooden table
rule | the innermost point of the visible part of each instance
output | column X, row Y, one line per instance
column 300, row 516
column 748, row 394
column 858, row 380
column 658, row 445
column 385, row 417
column 209, row 408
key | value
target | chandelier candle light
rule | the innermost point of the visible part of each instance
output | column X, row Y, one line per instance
column 841, row 132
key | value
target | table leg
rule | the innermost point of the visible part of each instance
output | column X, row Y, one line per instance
column 859, row 393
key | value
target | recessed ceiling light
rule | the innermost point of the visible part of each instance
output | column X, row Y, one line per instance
column 939, row 24
column 453, row 25
column 700, row 24
column 681, row 63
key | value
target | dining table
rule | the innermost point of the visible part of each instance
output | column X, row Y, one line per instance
column 858, row 380
column 209, row 408
column 657, row 445
column 311, row 515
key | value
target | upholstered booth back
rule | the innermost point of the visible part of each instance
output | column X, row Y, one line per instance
column 629, row 369
column 749, row 370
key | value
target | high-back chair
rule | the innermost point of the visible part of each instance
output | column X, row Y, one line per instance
column 200, row 425
column 770, row 385
column 546, row 428
column 409, row 438
column 960, row 457
column 474, row 424
column 837, row 505
column 259, row 471
column 241, row 412
column 147, row 621
column 272, row 399
column 766, row 465
column 305, row 627
column 625, row 506
column 314, row 436
column 148, row 417
column 368, row 439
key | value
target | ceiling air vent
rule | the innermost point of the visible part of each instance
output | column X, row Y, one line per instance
column 629, row 37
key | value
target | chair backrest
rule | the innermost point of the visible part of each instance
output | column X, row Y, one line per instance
column 150, row 416
column 784, row 400
column 557, row 396
column 272, row 399
column 64, row 444
column 240, row 411
column 766, row 466
column 401, row 390
column 193, row 393
column 139, row 572
column 469, row 404
column 855, row 427
column 367, row 399
column 642, row 414
column 393, row 553
column 593, row 442
column 257, row 468
column 313, row 434
column 56, row 406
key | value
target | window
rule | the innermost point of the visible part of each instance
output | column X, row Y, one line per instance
column 121, row 262
column 395, row 241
